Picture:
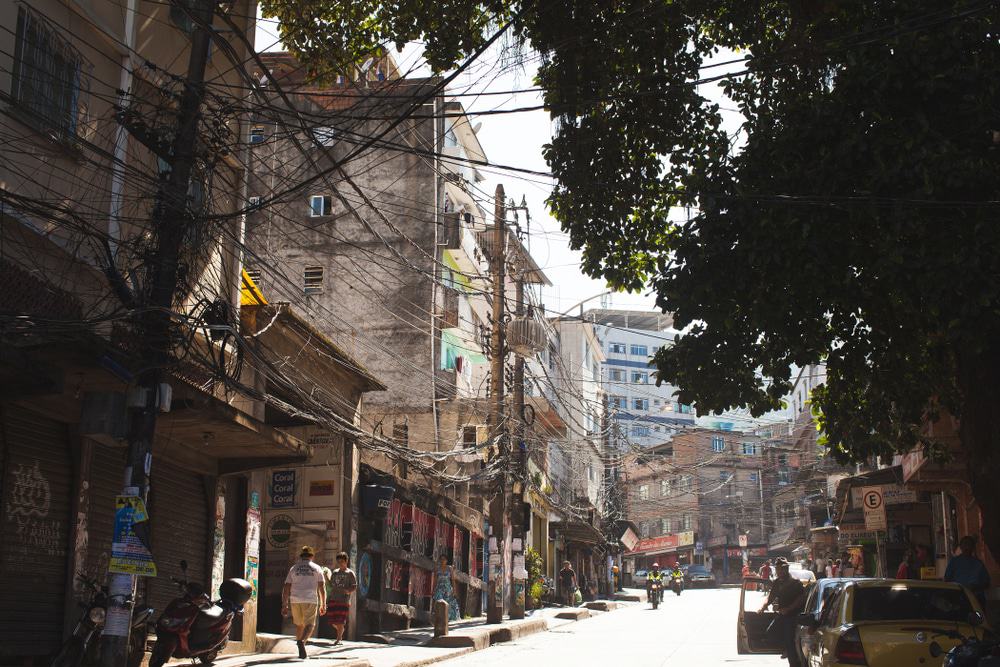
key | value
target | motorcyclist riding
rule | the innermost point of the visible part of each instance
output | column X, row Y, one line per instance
column 655, row 575
column 677, row 579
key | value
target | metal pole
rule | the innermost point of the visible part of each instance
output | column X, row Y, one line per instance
column 496, row 426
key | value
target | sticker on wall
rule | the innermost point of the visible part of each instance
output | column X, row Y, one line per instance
column 322, row 487
column 364, row 574
column 279, row 530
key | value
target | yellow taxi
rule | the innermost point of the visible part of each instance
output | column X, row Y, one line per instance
column 892, row 623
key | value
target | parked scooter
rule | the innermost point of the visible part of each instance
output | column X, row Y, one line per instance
column 82, row 647
column 192, row 626
column 973, row 651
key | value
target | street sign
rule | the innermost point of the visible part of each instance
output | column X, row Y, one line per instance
column 873, row 502
column 742, row 540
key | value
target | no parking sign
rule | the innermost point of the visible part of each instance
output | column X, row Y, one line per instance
column 873, row 502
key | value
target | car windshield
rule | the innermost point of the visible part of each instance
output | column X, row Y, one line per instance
column 897, row 603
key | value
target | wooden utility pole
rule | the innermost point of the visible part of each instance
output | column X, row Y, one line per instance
column 519, row 461
column 153, row 323
column 497, row 426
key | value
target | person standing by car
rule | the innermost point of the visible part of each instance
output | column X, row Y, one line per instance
column 304, row 594
column 906, row 570
column 968, row 570
column 567, row 580
column 787, row 596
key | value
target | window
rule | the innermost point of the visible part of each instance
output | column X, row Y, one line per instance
column 684, row 409
column 665, row 526
column 595, row 371
column 644, row 529
column 750, row 448
column 657, row 402
column 320, row 205
column 469, row 436
column 616, row 348
column 753, row 477
column 46, row 76
column 401, row 434
column 591, row 473
column 664, row 488
column 643, row 492
column 653, row 350
column 723, row 476
column 687, row 522
column 718, row 443
column 616, row 375
column 638, row 350
column 256, row 135
column 639, row 377
column 254, row 275
column 640, row 431
column 324, row 136
column 685, row 483
column 313, row 279
column 640, row 404
column 619, row 402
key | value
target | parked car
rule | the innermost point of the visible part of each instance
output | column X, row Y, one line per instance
column 698, row 576
column 873, row 622
column 819, row 595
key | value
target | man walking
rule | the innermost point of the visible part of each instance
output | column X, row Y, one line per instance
column 567, row 580
column 968, row 570
column 787, row 595
column 304, row 594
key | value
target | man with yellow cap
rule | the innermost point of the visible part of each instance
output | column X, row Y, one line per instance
column 304, row 594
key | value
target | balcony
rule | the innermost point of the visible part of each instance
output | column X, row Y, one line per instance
column 449, row 316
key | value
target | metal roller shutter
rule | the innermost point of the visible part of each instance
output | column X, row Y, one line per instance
column 107, row 468
column 37, row 487
column 178, row 509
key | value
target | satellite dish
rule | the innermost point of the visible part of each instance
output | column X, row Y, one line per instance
column 475, row 128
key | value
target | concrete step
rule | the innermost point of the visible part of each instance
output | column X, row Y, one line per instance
column 602, row 605
column 574, row 614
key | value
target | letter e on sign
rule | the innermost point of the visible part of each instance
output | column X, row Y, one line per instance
column 873, row 502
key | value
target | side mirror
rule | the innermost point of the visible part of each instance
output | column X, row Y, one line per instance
column 184, row 566
column 976, row 619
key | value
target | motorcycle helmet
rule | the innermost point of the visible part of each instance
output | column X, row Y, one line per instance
column 238, row 591
column 656, row 565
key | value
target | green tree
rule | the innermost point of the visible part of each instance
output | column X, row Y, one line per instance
column 852, row 219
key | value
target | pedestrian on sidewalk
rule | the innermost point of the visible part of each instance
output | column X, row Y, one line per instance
column 444, row 587
column 968, row 570
column 906, row 569
column 567, row 582
column 342, row 584
column 304, row 594
column 765, row 570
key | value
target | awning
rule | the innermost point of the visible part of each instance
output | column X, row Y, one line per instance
column 578, row 531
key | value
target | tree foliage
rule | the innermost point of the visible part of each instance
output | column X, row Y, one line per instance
column 851, row 219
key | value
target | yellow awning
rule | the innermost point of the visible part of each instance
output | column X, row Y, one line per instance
column 250, row 294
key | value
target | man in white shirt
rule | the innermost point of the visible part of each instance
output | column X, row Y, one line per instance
column 304, row 594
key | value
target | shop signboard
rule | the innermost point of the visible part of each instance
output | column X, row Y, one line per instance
column 283, row 488
column 629, row 539
column 892, row 494
column 685, row 539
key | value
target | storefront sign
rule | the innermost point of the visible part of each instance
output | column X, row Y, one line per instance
column 742, row 540
column 699, row 548
column 629, row 539
column 252, row 566
column 279, row 530
column 892, row 494
column 364, row 574
column 855, row 533
column 283, row 488
column 685, row 539
column 322, row 487
column 873, row 503
column 717, row 541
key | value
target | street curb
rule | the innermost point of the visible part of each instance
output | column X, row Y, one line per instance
column 628, row 598
column 602, row 605
column 573, row 614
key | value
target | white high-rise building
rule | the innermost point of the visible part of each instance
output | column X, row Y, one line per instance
column 646, row 414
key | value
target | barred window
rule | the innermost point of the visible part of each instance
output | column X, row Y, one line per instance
column 313, row 276
column 46, row 76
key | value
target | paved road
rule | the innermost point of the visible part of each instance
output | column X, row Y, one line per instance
column 697, row 628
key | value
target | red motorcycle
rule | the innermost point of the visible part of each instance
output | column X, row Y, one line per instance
column 192, row 626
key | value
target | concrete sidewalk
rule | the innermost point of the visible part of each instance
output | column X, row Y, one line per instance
column 411, row 648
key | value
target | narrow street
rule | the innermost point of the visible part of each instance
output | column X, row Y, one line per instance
column 699, row 628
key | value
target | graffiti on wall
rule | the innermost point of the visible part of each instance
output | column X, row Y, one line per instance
column 28, row 508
